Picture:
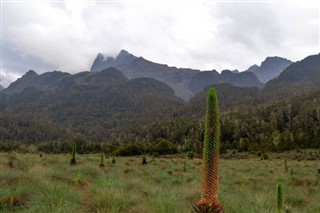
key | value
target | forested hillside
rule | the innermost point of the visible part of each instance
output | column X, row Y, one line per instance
column 105, row 110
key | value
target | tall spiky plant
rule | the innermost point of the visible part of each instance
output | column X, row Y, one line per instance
column 74, row 150
column 279, row 197
column 101, row 159
column 210, row 163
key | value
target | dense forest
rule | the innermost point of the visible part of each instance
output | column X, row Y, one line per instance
column 272, row 126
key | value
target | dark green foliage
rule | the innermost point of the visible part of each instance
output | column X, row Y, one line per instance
column 251, row 120
column 155, row 155
column 280, row 207
column 83, row 147
column 83, row 110
column 190, row 155
column 74, row 150
column 102, row 156
column 163, row 146
column 15, row 128
column 130, row 149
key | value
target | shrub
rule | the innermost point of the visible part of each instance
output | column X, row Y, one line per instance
column 163, row 146
column 130, row 149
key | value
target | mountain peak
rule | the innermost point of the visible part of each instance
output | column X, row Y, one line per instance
column 31, row 73
column 22, row 83
column 124, row 52
column 305, row 71
column 253, row 68
column 123, row 58
column 270, row 68
column 100, row 57
column 274, row 61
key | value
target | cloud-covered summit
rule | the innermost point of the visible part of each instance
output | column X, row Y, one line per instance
column 67, row 35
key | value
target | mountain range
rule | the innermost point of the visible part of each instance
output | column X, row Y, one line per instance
column 106, row 99
column 184, row 81
column 102, row 104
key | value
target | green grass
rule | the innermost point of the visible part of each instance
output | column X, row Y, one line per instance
column 50, row 184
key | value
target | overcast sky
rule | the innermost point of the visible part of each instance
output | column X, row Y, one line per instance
column 67, row 36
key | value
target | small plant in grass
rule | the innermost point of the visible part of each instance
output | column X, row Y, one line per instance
column 184, row 166
column 79, row 179
column 12, row 157
column 101, row 159
column 209, row 193
column 265, row 156
column 280, row 197
column 144, row 161
column 286, row 164
column 190, row 155
column 291, row 171
column 74, row 150
column 113, row 159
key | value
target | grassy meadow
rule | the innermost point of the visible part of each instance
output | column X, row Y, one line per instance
column 165, row 185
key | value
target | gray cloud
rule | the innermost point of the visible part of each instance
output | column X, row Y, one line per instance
column 209, row 35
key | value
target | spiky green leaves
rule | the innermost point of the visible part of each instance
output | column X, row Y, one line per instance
column 279, row 196
column 209, row 193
